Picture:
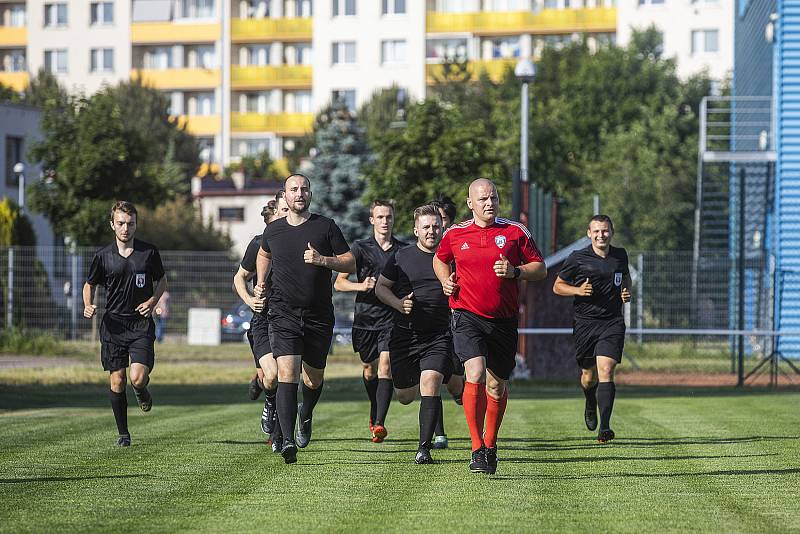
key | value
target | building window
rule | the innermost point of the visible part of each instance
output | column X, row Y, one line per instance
column 441, row 49
column 452, row 6
column 343, row 52
column 159, row 58
column 303, row 9
column 512, row 5
column 256, row 55
column 55, row 15
column 501, row 47
column 200, row 57
column 13, row 156
column 206, row 147
column 705, row 41
column 251, row 147
column 347, row 96
column 553, row 4
column 297, row 102
column 393, row 51
column 346, row 8
column 13, row 61
column 231, row 214
column 257, row 9
column 197, row 9
column 102, row 60
column 651, row 2
column 393, row 7
column 16, row 16
column 200, row 104
column 55, row 61
column 102, row 13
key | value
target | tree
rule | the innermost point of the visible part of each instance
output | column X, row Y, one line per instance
column 176, row 225
column 260, row 167
column 337, row 170
column 15, row 227
column 44, row 91
column 437, row 153
column 385, row 108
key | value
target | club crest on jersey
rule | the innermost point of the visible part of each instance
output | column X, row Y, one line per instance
column 500, row 241
column 140, row 278
column 617, row 279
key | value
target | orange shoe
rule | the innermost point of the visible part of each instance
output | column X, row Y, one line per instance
column 379, row 433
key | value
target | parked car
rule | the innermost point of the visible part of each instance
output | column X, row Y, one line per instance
column 236, row 323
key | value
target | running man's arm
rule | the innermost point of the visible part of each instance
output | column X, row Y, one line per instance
column 626, row 288
column 146, row 308
column 565, row 289
column 89, row 309
column 532, row 272
column 240, row 285
column 383, row 290
column 262, row 266
column 343, row 263
column 344, row 284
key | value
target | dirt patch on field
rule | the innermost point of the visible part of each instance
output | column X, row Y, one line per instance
column 698, row 380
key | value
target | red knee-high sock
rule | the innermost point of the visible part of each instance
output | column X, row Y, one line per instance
column 474, row 399
column 494, row 418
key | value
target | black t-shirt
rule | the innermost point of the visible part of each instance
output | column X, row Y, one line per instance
column 371, row 313
column 249, row 264
column 605, row 275
column 128, row 281
column 411, row 269
column 295, row 283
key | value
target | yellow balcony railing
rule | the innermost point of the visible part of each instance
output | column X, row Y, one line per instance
column 601, row 19
column 200, row 124
column 13, row 36
column 495, row 68
column 279, row 123
column 260, row 30
column 179, row 78
column 286, row 76
column 168, row 32
column 18, row 81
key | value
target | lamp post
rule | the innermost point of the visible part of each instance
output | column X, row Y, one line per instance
column 19, row 170
column 525, row 71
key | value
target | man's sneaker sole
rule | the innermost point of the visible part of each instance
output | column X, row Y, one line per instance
column 124, row 441
column 491, row 461
column 605, row 436
column 478, row 463
column 440, row 442
column 289, row 453
column 423, row 457
column 379, row 433
column 254, row 389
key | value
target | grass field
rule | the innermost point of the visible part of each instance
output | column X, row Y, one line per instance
column 685, row 460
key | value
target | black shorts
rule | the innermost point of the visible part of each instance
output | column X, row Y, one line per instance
column 258, row 337
column 495, row 339
column 413, row 352
column 458, row 365
column 370, row 343
column 598, row 337
column 124, row 339
column 304, row 331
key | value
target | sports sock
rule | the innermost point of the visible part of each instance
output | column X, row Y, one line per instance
column 439, row 429
column 119, row 405
column 591, row 397
column 372, row 392
column 286, row 403
column 495, row 408
column 430, row 408
column 310, row 399
column 606, row 391
column 384, row 397
column 270, row 393
column 474, row 398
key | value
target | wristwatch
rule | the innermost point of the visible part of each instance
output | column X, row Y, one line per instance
column 517, row 272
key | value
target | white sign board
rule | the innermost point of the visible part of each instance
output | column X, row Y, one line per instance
column 204, row 326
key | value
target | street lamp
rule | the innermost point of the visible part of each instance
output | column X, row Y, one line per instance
column 19, row 170
column 525, row 71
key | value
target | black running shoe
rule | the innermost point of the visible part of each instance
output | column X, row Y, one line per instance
column 605, row 435
column 254, row 389
column 143, row 398
column 303, row 435
column 289, row 452
column 268, row 415
column 124, row 441
column 590, row 417
column 423, row 456
column 478, row 463
column 491, row 460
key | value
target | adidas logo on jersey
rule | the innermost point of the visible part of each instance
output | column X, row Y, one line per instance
column 464, row 246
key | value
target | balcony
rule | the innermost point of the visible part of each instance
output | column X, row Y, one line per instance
column 179, row 78
column 279, row 123
column 599, row 19
column 200, row 125
column 18, row 81
column 167, row 33
column 13, row 36
column 264, row 30
column 269, row 77
column 495, row 68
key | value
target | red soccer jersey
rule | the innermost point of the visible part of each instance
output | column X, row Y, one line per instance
column 474, row 250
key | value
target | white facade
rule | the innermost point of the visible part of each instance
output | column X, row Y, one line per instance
column 698, row 33
column 80, row 39
column 367, row 51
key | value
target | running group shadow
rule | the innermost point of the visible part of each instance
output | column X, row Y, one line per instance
column 67, row 479
column 595, row 476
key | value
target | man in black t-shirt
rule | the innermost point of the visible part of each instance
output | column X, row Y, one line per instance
column 258, row 333
column 599, row 279
column 128, row 270
column 301, row 249
column 421, row 344
column 372, row 321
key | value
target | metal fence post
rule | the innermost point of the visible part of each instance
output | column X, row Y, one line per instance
column 74, row 296
column 640, row 297
column 10, row 296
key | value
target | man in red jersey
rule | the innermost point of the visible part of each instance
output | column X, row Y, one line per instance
column 490, row 255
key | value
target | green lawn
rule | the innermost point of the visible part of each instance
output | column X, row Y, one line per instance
column 721, row 461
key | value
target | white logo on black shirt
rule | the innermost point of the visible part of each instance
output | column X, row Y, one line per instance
column 617, row 279
column 140, row 277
